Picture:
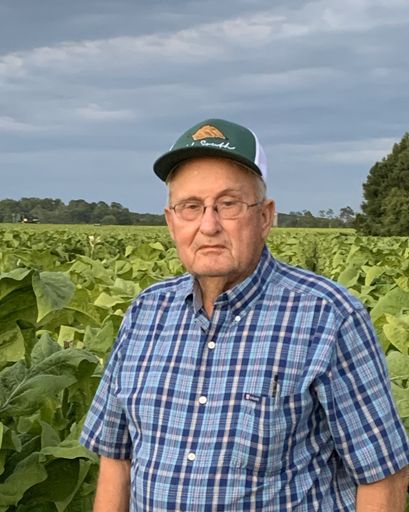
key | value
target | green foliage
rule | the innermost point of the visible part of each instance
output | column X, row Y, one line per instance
column 62, row 298
column 78, row 211
column 386, row 192
column 63, row 292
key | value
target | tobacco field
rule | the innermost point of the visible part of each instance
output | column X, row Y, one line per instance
column 63, row 293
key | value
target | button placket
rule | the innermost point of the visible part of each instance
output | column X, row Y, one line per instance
column 202, row 388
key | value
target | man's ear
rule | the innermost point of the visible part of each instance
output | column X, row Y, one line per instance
column 267, row 216
column 169, row 222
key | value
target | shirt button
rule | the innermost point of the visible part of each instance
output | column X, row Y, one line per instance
column 211, row 345
column 191, row 456
column 202, row 400
column 237, row 318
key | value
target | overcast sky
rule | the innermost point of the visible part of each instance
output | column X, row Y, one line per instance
column 93, row 91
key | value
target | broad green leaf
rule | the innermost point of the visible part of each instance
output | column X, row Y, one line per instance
column 81, row 499
column 81, row 303
column 46, row 379
column 349, row 277
column 99, row 340
column 403, row 407
column 97, row 269
column 45, row 347
column 394, row 302
column 27, row 473
column 10, row 378
column 12, row 346
column 33, row 393
column 106, row 301
column 403, row 282
column 372, row 273
column 125, row 288
column 53, row 291
column 140, row 265
column 399, row 392
column 397, row 332
column 122, row 268
column 20, row 305
column 70, row 449
column 61, row 481
column 29, row 334
column 10, row 442
column 37, row 259
column 49, row 436
column 157, row 246
column 13, row 280
column 129, row 250
column 38, row 507
column 398, row 365
column 84, row 467
column 101, row 273
column 3, row 457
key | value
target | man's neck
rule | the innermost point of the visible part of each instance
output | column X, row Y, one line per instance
column 211, row 288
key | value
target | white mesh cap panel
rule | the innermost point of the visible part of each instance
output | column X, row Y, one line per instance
column 260, row 158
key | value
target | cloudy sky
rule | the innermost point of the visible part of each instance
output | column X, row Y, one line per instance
column 93, row 91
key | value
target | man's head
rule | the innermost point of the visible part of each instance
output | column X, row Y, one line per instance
column 217, row 214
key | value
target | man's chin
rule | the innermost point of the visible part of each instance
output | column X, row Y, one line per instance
column 210, row 272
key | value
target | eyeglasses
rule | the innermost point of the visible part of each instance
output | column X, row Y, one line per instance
column 226, row 210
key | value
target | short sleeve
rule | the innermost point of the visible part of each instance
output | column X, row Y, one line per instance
column 368, row 433
column 105, row 429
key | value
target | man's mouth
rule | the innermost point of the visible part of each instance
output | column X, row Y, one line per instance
column 211, row 247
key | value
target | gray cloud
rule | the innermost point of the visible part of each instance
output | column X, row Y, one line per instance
column 92, row 92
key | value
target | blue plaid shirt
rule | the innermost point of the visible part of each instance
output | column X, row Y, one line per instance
column 280, row 401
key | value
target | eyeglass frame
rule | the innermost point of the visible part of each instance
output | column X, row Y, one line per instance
column 215, row 207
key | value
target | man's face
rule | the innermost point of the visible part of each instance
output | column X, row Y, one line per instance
column 213, row 247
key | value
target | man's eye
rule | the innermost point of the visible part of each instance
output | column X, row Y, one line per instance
column 191, row 206
column 227, row 204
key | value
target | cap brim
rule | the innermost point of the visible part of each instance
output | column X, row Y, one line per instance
column 167, row 162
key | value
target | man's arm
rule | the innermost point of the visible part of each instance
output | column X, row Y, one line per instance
column 113, row 486
column 387, row 495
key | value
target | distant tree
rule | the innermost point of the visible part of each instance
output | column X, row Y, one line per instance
column 79, row 211
column 396, row 213
column 386, row 191
column 100, row 211
column 347, row 215
column 9, row 210
column 109, row 219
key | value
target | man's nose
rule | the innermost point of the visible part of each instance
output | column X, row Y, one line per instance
column 210, row 221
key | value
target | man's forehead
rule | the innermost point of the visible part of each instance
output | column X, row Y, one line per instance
column 200, row 194
column 210, row 177
column 207, row 164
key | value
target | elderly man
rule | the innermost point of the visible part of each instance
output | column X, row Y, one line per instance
column 245, row 384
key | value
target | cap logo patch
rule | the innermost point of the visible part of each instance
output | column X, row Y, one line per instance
column 208, row 131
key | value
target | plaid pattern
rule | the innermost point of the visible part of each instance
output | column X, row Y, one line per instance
column 279, row 402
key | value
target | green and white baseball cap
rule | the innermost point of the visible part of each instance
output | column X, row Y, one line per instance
column 215, row 137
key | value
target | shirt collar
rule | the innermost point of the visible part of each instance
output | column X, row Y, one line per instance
column 241, row 295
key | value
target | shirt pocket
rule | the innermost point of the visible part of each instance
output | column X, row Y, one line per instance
column 266, row 430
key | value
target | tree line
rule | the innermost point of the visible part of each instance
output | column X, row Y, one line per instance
column 79, row 211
